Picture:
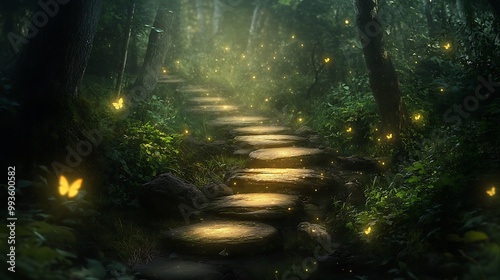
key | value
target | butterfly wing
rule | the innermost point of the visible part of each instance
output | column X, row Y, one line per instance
column 73, row 189
column 491, row 192
column 119, row 104
column 63, row 185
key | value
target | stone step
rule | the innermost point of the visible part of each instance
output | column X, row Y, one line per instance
column 287, row 157
column 207, row 100
column 270, row 140
column 256, row 206
column 214, row 109
column 181, row 270
column 195, row 89
column 213, row 237
column 289, row 180
column 261, row 130
column 239, row 121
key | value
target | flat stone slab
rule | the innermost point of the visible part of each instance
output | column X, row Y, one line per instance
column 287, row 157
column 214, row 108
column 270, row 140
column 239, row 121
column 194, row 89
column 207, row 100
column 279, row 180
column 260, row 130
column 233, row 237
column 256, row 206
column 181, row 270
column 171, row 81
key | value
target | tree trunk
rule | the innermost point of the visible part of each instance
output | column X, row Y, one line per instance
column 126, row 43
column 218, row 12
column 383, row 78
column 495, row 4
column 253, row 25
column 48, row 75
column 156, row 51
column 430, row 19
column 200, row 15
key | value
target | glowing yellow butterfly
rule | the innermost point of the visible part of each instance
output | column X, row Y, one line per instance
column 368, row 230
column 389, row 136
column 447, row 46
column 417, row 117
column 70, row 190
column 349, row 129
column 118, row 105
column 492, row 191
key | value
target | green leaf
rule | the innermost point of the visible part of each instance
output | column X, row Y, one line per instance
column 475, row 236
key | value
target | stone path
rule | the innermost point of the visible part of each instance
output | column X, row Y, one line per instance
column 282, row 174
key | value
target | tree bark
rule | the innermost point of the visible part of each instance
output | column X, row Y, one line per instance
column 48, row 75
column 126, row 43
column 253, row 25
column 430, row 19
column 383, row 78
column 495, row 4
column 217, row 18
column 156, row 51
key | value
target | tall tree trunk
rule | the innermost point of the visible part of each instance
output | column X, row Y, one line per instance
column 253, row 25
column 383, row 78
column 126, row 43
column 217, row 18
column 431, row 27
column 174, row 47
column 495, row 4
column 156, row 51
column 200, row 15
column 49, row 72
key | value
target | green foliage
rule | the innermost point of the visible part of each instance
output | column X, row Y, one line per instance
column 348, row 117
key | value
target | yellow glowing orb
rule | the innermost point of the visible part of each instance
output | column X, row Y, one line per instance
column 119, row 104
column 300, row 120
column 368, row 230
column 389, row 136
column 293, row 36
column 346, row 21
column 70, row 190
column 186, row 131
column 492, row 191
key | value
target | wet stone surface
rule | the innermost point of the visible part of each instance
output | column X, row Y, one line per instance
column 271, row 140
column 181, row 270
column 207, row 100
column 239, row 120
column 214, row 108
column 287, row 157
column 278, row 180
column 233, row 237
column 261, row 130
column 256, row 206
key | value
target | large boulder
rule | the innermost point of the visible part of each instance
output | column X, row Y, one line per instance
column 166, row 194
